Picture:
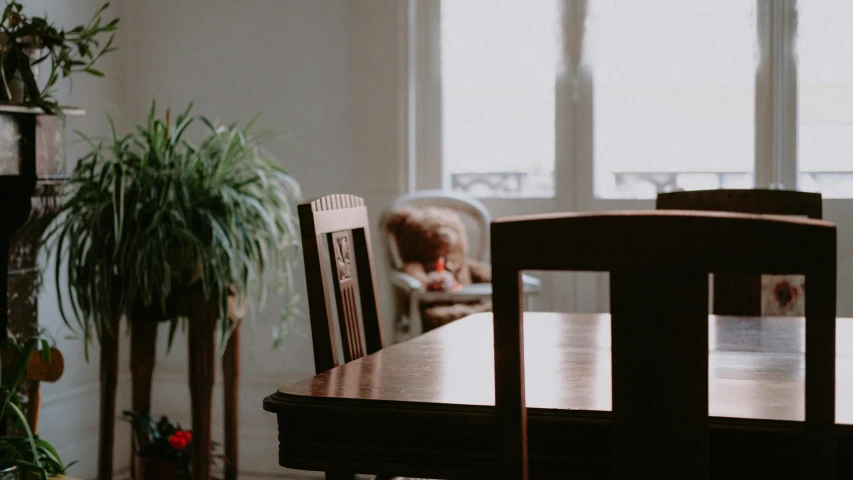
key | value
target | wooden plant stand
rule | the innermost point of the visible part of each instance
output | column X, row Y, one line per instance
column 203, row 317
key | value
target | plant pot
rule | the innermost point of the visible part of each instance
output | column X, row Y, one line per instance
column 176, row 305
column 153, row 313
column 146, row 468
column 17, row 88
column 16, row 84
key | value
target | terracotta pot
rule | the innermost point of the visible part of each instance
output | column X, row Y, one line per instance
column 146, row 468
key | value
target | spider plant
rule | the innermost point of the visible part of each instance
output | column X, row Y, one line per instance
column 151, row 212
column 31, row 41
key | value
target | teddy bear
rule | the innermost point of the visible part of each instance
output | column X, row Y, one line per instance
column 433, row 246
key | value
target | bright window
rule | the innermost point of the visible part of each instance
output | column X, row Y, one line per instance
column 499, row 61
column 673, row 95
column 825, row 69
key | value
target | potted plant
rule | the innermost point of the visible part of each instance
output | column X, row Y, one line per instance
column 155, row 227
column 151, row 214
column 28, row 42
column 24, row 452
column 162, row 448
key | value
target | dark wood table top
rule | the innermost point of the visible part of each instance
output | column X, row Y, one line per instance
column 441, row 385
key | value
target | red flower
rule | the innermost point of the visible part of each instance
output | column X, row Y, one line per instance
column 180, row 439
column 785, row 293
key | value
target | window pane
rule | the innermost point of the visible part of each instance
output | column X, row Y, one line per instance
column 673, row 95
column 498, row 67
column 825, row 67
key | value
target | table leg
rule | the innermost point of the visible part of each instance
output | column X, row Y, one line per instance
column 202, row 351
column 230, row 392
column 109, row 380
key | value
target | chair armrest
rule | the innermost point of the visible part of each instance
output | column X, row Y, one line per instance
column 531, row 284
column 406, row 282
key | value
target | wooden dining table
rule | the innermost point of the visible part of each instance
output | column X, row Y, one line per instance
column 424, row 408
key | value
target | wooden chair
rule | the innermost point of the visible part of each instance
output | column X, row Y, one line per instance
column 659, row 263
column 741, row 294
column 342, row 220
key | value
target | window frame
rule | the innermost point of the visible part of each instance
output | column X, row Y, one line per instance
column 775, row 105
column 776, row 133
column 424, row 19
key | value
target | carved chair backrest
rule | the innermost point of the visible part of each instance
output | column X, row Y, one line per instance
column 340, row 220
column 659, row 263
column 740, row 294
column 468, row 206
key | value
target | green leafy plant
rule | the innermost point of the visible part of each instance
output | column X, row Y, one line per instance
column 164, row 440
column 28, row 452
column 150, row 213
column 30, row 41
column 161, row 439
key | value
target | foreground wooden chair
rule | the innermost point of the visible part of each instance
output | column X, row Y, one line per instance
column 740, row 294
column 659, row 264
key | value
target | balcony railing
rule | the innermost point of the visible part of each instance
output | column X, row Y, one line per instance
column 636, row 185
column 504, row 184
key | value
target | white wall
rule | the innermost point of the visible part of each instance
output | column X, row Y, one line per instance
column 380, row 108
column 288, row 60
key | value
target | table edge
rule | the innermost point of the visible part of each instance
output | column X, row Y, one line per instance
column 282, row 404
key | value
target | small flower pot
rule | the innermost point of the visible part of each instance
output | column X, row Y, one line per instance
column 146, row 468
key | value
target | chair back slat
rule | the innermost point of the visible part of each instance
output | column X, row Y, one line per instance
column 678, row 410
column 344, row 284
column 741, row 294
column 659, row 263
column 340, row 221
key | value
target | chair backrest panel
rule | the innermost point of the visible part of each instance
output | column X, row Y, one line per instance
column 741, row 294
column 344, row 286
column 659, row 263
column 341, row 222
column 761, row 201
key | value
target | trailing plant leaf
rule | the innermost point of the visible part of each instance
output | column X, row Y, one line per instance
column 151, row 213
